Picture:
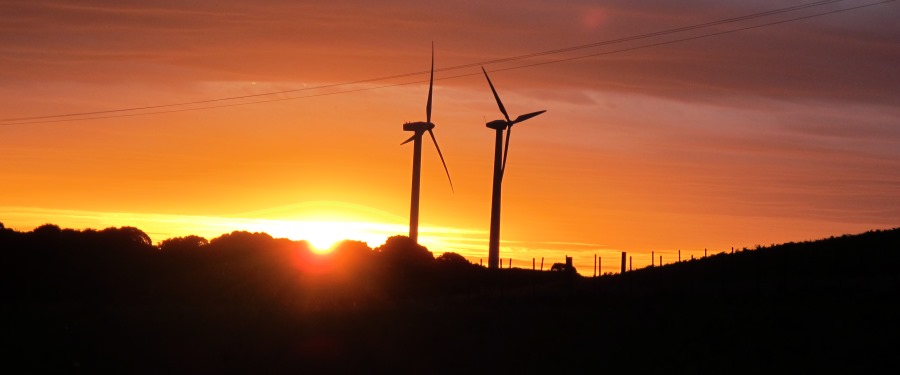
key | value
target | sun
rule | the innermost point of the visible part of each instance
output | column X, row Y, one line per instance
column 322, row 236
column 322, row 225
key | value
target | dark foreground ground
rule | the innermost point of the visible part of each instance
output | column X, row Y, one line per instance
column 802, row 308
column 731, row 334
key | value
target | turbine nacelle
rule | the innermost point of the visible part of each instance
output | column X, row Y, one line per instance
column 503, row 124
column 498, row 124
column 418, row 126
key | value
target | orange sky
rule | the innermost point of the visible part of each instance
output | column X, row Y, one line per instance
column 782, row 133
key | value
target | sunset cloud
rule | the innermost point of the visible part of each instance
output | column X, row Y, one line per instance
column 289, row 41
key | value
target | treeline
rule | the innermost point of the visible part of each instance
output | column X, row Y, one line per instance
column 121, row 265
column 111, row 301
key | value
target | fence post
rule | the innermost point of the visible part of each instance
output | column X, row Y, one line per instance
column 542, row 263
column 652, row 255
column 623, row 262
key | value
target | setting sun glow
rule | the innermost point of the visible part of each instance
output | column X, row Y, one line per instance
column 321, row 235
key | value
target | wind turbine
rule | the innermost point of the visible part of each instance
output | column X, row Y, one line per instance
column 499, row 168
column 419, row 128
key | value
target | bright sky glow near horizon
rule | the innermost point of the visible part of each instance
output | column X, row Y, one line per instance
column 788, row 132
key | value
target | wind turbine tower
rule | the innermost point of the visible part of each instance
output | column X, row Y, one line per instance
column 499, row 168
column 419, row 128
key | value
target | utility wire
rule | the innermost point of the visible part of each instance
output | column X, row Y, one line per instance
column 487, row 62
column 58, row 118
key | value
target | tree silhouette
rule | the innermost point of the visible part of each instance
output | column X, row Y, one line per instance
column 352, row 256
column 46, row 231
column 186, row 243
column 351, row 249
column 6, row 234
column 401, row 251
column 130, row 238
column 452, row 260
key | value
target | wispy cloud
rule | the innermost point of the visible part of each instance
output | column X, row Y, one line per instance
column 848, row 56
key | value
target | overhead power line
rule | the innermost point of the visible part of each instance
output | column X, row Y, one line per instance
column 117, row 113
column 487, row 62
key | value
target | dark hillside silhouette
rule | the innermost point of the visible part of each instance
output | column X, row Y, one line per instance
column 96, row 300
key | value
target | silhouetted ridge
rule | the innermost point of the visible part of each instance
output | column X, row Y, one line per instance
column 861, row 263
column 109, row 301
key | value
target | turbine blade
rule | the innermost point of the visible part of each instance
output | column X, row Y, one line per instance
column 430, row 84
column 499, row 103
column 527, row 116
column 505, row 151
column 442, row 159
column 410, row 139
